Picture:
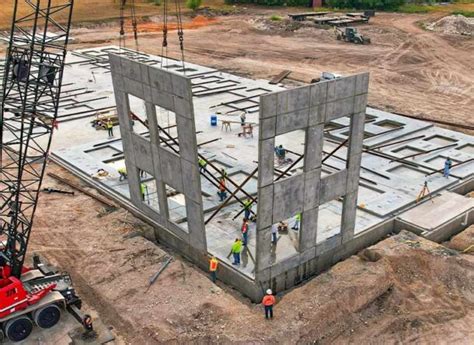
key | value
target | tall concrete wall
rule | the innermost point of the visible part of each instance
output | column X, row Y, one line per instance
column 308, row 109
column 172, row 92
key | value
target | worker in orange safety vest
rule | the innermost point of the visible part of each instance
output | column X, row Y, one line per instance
column 268, row 302
column 213, row 263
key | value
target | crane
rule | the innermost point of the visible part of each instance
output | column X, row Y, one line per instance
column 30, row 97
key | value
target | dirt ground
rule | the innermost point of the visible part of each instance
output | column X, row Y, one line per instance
column 404, row 289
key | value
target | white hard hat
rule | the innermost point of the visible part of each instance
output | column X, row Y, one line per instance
column 269, row 291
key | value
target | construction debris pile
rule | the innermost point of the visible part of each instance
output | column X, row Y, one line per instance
column 455, row 24
column 278, row 25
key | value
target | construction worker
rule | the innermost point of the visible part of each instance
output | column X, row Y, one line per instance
column 236, row 250
column 143, row 190
column 223, row 174
column 280, row 153
column 222, row 190
column 110, row 127
column 213, row 263
column 247, row 208
column 202, row 164
column 123, row 173
column 245, row 231
column 282, row 226
column 447, row 167
column 87, row 323
column 243, row 117
column 274, row 234
column 296, row 226
column 268, row 302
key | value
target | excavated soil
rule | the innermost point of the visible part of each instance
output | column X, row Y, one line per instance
column 456, row 24
column 403, row 289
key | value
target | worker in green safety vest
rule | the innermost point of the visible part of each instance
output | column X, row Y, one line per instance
column 296, row 226
column 143, row 190
column 123, row 173
column 247, row 208
column 202, row 164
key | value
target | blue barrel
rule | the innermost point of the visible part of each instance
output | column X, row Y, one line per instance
column 213, row 120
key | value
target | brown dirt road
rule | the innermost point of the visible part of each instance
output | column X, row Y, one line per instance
column 416, row 291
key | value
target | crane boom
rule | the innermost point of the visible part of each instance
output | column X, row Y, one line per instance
column 29, row 106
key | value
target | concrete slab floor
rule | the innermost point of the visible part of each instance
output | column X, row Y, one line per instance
column 387, row 188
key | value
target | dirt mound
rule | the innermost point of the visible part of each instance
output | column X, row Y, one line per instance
column 464, row 241
column 276, row 26
column 456, row 24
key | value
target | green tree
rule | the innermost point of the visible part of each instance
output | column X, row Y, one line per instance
column 193, row 4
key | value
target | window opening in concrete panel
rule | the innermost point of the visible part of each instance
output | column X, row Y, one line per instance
column 367, row 194
column 186, row 70
column 369, row 118
column 329, row 220
column 177, row 212
column 338, row 156
column 407, row 150
column 149, row 190
column 407, row 172
column 285, row 238
column 138, row 117
column 332, row 126
column 468, row 148
column 438, row 161
column 389, row 124
column 289, row 153
column 249, row 187
column 367, row 134
column 440, row 140
column 168, row 130
column 102, row 153
column 173, row 66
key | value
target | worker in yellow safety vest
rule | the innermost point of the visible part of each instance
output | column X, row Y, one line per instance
column 213, row 263
column 123, row 173
column 202, row 164
column 296, row 226
column 143, row 190
column 109, row 125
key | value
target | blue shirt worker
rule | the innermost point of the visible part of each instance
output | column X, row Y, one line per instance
column 280, row 153
column 447, row 167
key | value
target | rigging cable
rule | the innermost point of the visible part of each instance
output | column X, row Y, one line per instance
column 122, row 24
column 180, row 32
column 134, row 24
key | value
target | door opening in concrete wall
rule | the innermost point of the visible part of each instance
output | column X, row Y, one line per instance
column 168, row 130
column 138, row 117
column 149, row 190
column 285, row 238
column 177, row 212
column 288, row 157
column 329, row 220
